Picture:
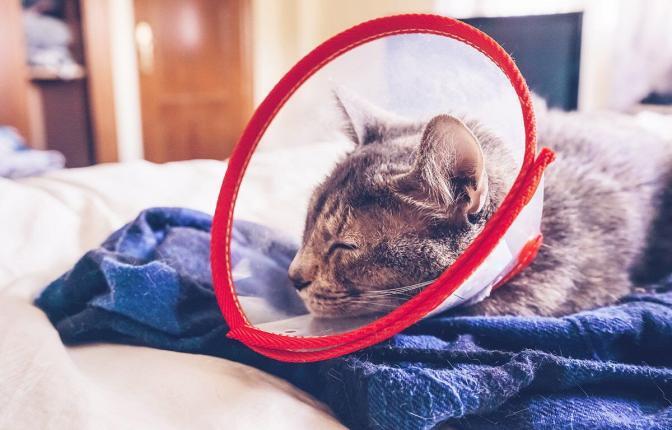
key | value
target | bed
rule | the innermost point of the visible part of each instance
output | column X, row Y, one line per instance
column 48, row 222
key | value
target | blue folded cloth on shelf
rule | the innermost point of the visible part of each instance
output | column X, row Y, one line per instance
column 610, row 368
column 19, row 161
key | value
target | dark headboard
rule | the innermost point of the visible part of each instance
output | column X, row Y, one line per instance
column 546, row 48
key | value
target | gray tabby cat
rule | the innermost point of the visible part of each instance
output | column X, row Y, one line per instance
column 411, row 196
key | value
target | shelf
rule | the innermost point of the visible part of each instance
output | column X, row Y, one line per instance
column 68, row 73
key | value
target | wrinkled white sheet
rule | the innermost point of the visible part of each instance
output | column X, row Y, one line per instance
column 46, row 224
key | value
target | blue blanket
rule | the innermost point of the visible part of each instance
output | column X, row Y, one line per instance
column 611, row 368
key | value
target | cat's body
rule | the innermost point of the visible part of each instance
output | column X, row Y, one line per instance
column 411, row 196
column 606, row 222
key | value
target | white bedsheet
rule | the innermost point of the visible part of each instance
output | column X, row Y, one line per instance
column 46, row 224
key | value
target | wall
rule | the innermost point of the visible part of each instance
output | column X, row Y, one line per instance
column 626, row 49
column 284, row 31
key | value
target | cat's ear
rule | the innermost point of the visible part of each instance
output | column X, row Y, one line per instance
column 364, row 122
column 448, row 174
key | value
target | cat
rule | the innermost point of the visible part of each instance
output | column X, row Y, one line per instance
column 411, row 196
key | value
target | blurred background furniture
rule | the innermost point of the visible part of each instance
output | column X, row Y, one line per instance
column 105, row 80
column 547, row 50
column 178, row 80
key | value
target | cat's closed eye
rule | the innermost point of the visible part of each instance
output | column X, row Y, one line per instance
column 341, row 245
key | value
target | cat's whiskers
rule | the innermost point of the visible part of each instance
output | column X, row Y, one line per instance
column 374, row 303
column 383, row 294
column 396, row 291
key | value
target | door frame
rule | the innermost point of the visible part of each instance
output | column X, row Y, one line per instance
column 97, row 35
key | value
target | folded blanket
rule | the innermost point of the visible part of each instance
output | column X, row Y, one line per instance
column 18, row 161
column 611, row 368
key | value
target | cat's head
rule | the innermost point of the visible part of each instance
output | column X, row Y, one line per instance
column 397, row 210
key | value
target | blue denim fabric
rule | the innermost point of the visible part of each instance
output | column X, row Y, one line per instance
column 610, row 368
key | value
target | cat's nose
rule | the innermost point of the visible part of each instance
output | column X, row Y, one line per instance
column 300, row 272
column 297, row 278
column 301, row 284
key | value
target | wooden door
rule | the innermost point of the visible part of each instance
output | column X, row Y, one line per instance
column 195, row 77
